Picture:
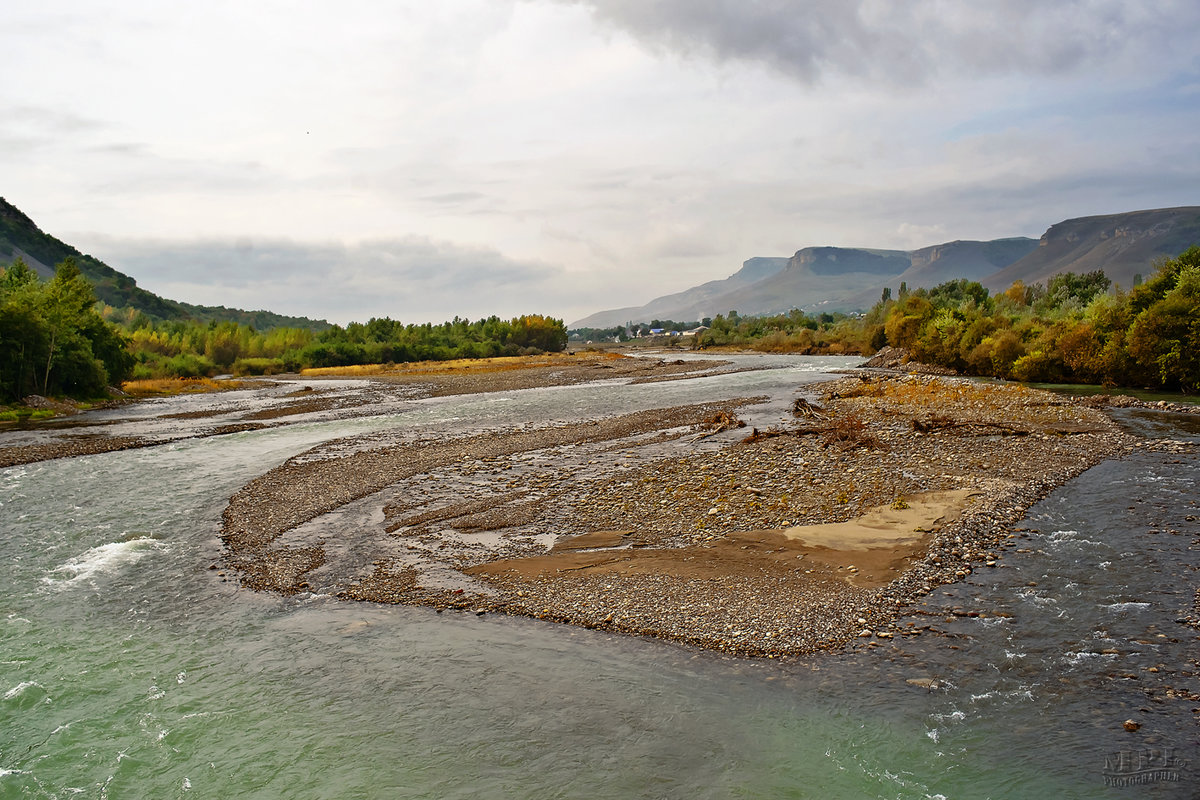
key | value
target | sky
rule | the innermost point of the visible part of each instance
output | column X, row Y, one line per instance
column 426, row 160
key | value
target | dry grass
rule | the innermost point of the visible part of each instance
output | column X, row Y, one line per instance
column 941, row 393
column 157, row 387
column 470, row 366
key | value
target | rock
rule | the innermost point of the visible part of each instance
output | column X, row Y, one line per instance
column 924, row 683
column 1130, row 725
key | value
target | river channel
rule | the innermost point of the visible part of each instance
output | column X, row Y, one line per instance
column 129, row 669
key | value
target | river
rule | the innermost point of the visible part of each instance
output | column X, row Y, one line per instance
column 129, row 669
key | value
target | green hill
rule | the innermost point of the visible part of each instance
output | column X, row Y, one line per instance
column 20, row 236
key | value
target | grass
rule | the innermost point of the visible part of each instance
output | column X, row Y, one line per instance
column 25, row 414
column 158, row 387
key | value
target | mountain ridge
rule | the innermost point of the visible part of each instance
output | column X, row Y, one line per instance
column 825, row 278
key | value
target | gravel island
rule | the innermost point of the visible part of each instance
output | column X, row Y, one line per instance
column 679, row 523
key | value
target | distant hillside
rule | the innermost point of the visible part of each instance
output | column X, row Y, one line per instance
column 849, row 279
column 821, row 279
column 690, row 305
column 930, row 266
column 20, row 236
column 1123, row 245
column 818, row 274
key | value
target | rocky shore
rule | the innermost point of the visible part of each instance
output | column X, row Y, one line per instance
column 676, row 523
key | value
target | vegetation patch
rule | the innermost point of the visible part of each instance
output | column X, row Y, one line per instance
column 158, row 387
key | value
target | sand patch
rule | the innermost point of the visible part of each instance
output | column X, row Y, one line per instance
column 868, row 551
column 887, row 526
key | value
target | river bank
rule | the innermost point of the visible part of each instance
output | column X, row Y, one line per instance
column 238, row 406
column 676, row 523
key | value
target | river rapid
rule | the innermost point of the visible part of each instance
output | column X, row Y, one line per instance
column 130, row 669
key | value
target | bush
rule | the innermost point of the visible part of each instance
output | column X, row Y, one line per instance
column 187, row 365
column 258, row 366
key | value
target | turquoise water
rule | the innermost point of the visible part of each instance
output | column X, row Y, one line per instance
column 129, row 669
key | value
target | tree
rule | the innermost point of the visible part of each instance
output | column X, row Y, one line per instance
column 52, row 338
column 1164, row 340
column 1070, row 292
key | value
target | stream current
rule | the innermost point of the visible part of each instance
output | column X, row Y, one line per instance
column 129, row 669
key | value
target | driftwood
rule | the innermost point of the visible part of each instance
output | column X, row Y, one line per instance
column 848, row 431
column 803, row 408
column 724, row 421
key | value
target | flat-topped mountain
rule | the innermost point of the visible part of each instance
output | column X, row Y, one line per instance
column 852, row 279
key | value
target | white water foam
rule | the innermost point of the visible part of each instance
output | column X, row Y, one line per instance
column 102, row 560
column 20, row 688
column 1075, row 659
column 1130, row 606
column 1071, row 537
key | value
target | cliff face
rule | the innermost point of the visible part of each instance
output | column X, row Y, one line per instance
column 840, row 261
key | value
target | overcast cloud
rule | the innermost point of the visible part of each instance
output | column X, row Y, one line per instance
column 422, row 160
column 908, row 43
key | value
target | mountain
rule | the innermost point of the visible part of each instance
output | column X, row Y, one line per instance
column 814, row 272
column 852, row 279
column 687, row 306
column 930, row 266
column 21, row 237
column 1123, row 245
column 821, row 279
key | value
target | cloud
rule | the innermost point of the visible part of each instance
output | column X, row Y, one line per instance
column 905, row 42
column 414, row 279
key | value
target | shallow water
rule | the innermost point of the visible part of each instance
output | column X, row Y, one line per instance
column 128, row 668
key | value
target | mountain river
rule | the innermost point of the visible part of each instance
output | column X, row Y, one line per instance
column 129, row 669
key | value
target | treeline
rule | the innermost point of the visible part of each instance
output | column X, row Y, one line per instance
column 385, row 340
column 176, row 349
column 52, row 339
column 794, row 332
column 1072, row 330
column 55, row 341
column 1075, row 329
